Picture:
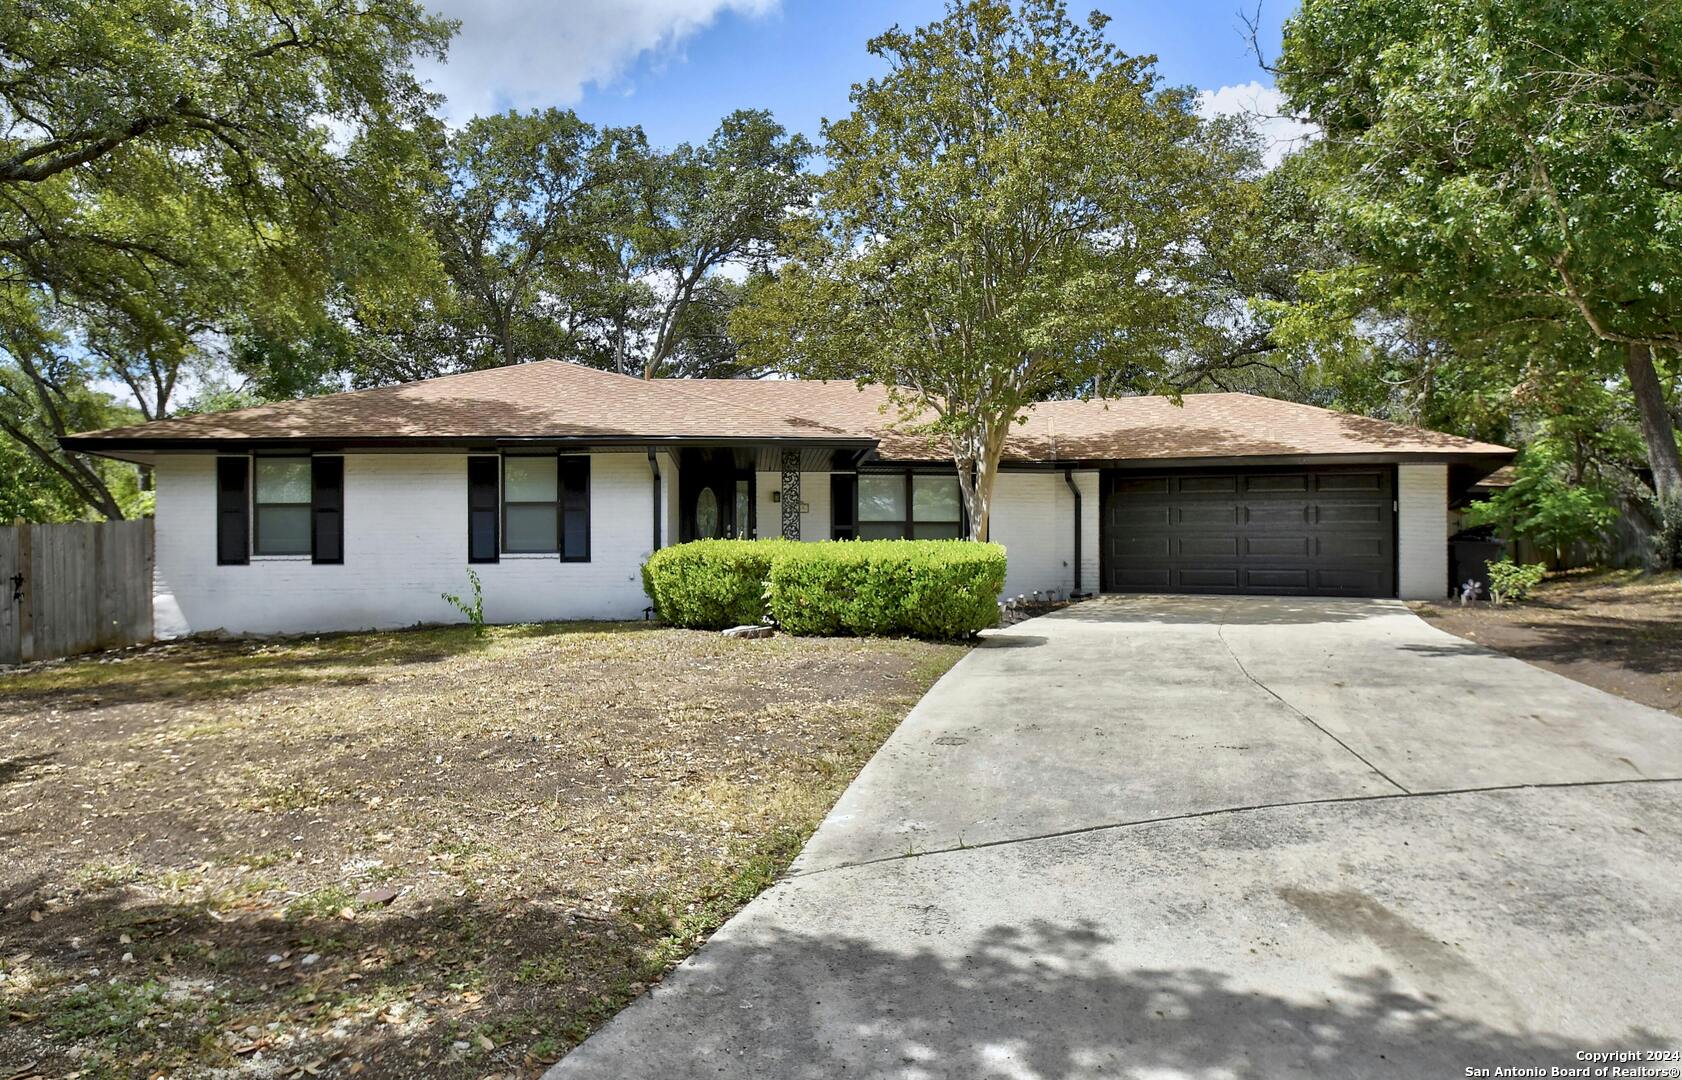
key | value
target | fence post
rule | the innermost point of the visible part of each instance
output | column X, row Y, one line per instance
column 26, row 607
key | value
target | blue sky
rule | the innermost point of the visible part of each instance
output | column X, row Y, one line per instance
column 677, row 66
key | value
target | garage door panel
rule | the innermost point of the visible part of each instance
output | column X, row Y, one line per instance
column 1350, row 547
column 1146, row 517
column 1293, row 579
column 1295, row 547
column 1207, row 547
column 1144, row 546
column 1350, row 582
column 1208, row 577
column 1270, row 514
column 1224, row 515
column 1207, row 485
column 1349, row 513
column 1328, row 531
column 1144, row 579
column 1281, row 482
column 1351, row 481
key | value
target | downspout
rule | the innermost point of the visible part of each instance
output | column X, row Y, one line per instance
column 654, row 471
column 1069, row 478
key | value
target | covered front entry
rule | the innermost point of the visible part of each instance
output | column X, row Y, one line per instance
column 1326, row 531
column 716, row 495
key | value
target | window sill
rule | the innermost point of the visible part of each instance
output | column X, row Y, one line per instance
column 280, row 558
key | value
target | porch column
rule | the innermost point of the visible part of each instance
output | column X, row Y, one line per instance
column 791, row 495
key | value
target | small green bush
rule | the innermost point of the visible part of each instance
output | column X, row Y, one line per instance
column 1513, row 581
column 922, row 588
column 710, row 584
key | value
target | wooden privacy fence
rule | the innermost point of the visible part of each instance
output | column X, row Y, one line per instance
column 74, row 588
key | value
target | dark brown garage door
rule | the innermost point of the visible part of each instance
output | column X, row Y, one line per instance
column 1308, row 532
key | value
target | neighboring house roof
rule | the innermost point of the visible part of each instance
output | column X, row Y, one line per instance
column 553, row 400
column 1504, row 477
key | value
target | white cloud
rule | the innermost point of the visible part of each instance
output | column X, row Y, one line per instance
column 1280, row 134
column 532, row 53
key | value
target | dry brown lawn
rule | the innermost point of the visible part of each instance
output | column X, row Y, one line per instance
column 425, row 853
column 1619, row 631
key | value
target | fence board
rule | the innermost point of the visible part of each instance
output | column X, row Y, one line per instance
column 86, row 586
column 11, row 614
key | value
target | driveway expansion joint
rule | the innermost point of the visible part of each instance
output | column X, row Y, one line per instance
column 1220, row 632
column 1225, row 811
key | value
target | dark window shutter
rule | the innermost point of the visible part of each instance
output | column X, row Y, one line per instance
column 233, row 511
column 574, row 475
column 482, row 541
column 843, row 506
column 327, row 509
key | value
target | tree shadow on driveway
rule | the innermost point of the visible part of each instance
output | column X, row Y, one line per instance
column 1038, row 1002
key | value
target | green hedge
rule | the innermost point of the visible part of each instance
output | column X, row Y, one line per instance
column 923, row 588
column 710, row 584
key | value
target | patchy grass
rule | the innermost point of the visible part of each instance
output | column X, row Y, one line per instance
column 1617, row 630
column 199, row 835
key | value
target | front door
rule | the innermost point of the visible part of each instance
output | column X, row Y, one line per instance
column 716, row 497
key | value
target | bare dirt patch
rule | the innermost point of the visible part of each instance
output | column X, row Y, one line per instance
column 425, row 853
column 1617, row 631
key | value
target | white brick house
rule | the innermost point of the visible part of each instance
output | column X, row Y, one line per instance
column 553, row 482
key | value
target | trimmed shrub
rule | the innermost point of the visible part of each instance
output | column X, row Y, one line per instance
column 922, row 588
column 1513, row 581
column 710, row 584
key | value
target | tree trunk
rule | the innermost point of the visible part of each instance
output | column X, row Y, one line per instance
column 978, row 466
column 1656, row 428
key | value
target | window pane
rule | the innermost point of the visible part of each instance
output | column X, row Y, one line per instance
column 531, row 528
column 706, row 515
column 744, row 508
column 881, row 498
column 283, row 530
column 938, row 531
column 893, row 531
column 935, row 498
column 283, row 480
column 529, row 479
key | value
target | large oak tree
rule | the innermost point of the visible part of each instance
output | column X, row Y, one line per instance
column 1510, row 173
column 178, row 175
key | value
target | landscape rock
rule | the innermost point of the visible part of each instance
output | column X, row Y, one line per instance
column 750, row 631
column 377, row 897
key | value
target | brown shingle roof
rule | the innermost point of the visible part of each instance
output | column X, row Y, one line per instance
column 1217, row 426
column 556, row 400
column 546, row 399
column 1115, row 429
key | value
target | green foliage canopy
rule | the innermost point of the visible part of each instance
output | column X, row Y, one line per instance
column 1505, row 172
column 1011, row 211
column 178, row 172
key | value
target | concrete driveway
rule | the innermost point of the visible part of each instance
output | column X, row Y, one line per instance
column 1211, row 837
